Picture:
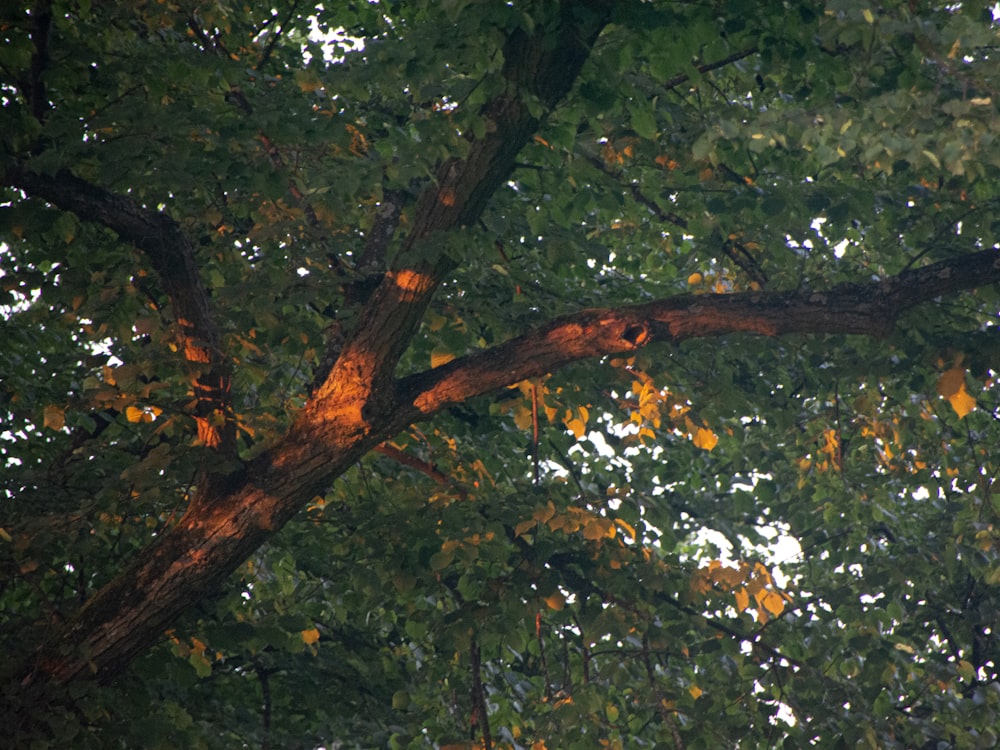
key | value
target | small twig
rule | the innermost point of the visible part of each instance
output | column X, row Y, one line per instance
column 542, row 655
column 661, row 705
column 424, row 467
column 269, row 48
column 263, row 674
column 534, row 430
column 708, row 67
column 479, row 713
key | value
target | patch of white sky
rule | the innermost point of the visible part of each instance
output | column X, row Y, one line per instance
column 336, row 42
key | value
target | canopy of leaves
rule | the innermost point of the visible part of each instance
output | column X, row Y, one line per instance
column 453, row 374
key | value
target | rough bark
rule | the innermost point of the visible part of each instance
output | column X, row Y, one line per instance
column 350, row 413
column 867, row 309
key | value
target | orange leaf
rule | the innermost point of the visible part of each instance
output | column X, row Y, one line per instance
column 742, row 599
column 705, row 438
column 951, row 381
column 598, row 528
column 630, row 530
column 310, row 636
column 556, row 601
column 951, row 386
column 524, row 526
column 439, row 358
column 54, row 417
column 545, row 513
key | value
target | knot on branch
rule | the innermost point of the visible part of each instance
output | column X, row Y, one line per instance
column 636, row 335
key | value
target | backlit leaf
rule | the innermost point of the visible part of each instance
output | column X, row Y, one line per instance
column 54, row 417
column 310, row 636
column 439, row 358
column 951, row 386
column 556, row 601
column 705, row 439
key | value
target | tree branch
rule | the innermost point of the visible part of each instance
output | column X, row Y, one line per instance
column 351, row 412
column 265, row 55
column 868, row 309
column 708, row 67
column 360, row 404
column 172, row 256
column 424, row 467
column 540, row 68
column 33, row 87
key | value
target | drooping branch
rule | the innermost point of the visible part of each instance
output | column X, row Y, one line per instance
column 868, row 309
column 172, row 256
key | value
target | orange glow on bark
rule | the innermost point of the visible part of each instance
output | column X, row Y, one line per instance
column 411, row 281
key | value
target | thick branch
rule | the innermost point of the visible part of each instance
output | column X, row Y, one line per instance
column 540, row 68
column 869, row 309
column 172, row 257
column 351, row 413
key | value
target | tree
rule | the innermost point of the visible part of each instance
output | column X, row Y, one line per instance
column 425, row 374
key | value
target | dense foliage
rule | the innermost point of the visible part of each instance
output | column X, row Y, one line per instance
column 610, row 373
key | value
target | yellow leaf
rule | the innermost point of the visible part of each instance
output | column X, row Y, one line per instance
column 951, row 381
column 578, row 427
column 524, row 526
column 962, row 402
column 310, row 636
column 951, row 386
column 598, row 528
column 439, row 358
column 966, row 671
column 742, row 599
column 522, row 416
column 705, row 438
column 543, row 514
column 695, row 691
column 54, row 417
column 629, row 529
column 772, row 602
column 868, row 15
column 695, row 278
